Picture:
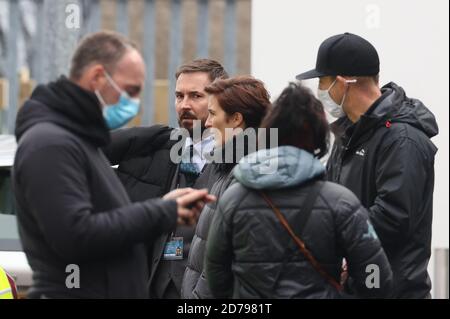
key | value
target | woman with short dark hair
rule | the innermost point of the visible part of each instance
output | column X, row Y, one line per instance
column 235, row 106
column 281, row 231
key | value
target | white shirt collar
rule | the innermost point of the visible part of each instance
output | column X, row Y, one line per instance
column 201, row 148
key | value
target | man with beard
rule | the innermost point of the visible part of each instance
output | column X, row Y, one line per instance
column 71, row 208
column 147, row 171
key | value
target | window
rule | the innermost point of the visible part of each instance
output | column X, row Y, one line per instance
column 9, row 235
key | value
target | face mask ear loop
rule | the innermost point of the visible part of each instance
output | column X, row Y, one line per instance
column 343, row 99
column 331, row 86
column 346, row 91
column 100, row 98
column 113, row 83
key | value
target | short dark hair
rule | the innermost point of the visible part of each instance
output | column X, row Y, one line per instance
column 214, row 69
column 243, row 94
column 105, row 47
column 300, row 119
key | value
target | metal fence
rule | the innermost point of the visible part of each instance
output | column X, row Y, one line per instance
column 49, row 46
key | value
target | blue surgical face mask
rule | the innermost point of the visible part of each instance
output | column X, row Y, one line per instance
column 119, row 114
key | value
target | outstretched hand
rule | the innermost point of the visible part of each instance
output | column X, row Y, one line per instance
column 190, row 203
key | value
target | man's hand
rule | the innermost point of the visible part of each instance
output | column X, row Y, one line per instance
column 190, row 203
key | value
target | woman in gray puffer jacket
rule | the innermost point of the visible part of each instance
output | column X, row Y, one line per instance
column 235, row 104
column 249, row 252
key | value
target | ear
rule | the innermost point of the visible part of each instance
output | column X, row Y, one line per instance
column 341, row 80
column 238, row 120
column 346, row 81
column 95, row 75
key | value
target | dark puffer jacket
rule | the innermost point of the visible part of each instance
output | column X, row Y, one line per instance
column 387, row 160
column 250, row 254
column 194, row 280
column 195, row 285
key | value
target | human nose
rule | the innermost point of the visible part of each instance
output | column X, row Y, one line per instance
column 185, row 104
column 208, row 123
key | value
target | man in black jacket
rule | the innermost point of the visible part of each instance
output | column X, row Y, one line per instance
column 82, row 236
column 383, row 153
column 147, row 170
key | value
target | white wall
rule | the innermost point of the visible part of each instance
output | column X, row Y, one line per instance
column 411, row 37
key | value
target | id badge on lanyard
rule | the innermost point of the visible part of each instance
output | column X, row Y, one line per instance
column 173, row 250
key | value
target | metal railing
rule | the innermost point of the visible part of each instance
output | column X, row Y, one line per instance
column 52, row 45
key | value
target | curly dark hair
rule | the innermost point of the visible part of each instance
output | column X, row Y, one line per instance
column 300, row 119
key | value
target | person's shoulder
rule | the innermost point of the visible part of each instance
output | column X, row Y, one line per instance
column 234, row 196
column 46, row 133
column 44, row 136
column 342, row 203
column 339, row 197
column 406, row 136
column 157, row 129
column 237, row 188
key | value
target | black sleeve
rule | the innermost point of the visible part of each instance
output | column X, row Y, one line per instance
column 137, row 141
column 367, row 263
column 219, row 251
column 54, row 181
column 401, row 172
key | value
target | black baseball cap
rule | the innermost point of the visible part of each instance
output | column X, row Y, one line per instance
column 344, row 54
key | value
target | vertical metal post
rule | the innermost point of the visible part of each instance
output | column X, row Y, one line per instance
column 60, row 37
column 122, row 17
column 38, row 48
column 4, row 19
column 11, row 70
column 175, row 51
column 148, row 112
column 202, row 29
column 230, row 37
column 92, row 16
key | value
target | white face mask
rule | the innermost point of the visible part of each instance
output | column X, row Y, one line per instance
column 330, row 106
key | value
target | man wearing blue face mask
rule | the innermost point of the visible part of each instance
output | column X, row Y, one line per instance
column 120, row 113
column 383, row 153
column 82, row 235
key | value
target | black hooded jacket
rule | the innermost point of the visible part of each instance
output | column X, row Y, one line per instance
column 75, row 217
column 387, row 160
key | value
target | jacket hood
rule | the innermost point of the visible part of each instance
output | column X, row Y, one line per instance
column 280, row 167
column 395, row 106
column 66, row 104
